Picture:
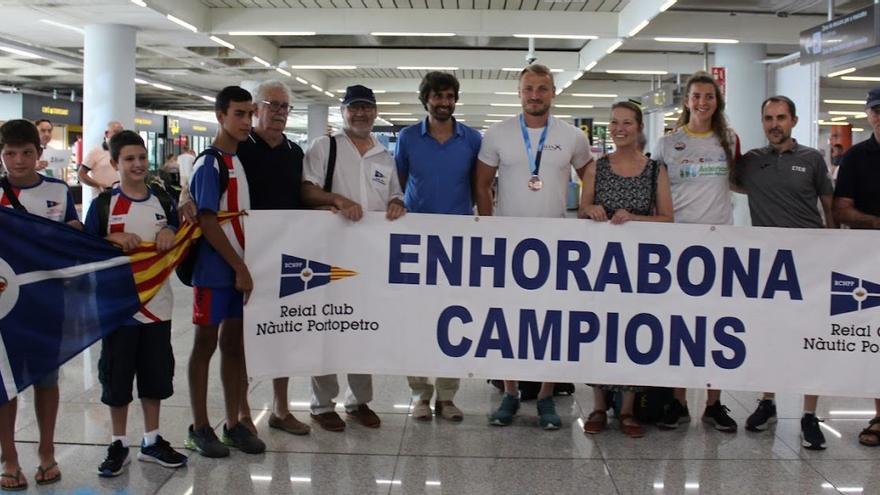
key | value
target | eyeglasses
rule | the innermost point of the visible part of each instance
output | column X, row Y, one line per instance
column 277, row 106
column 360, row 107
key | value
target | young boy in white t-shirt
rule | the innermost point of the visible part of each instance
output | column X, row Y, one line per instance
column 24, row 189
column 127, row 215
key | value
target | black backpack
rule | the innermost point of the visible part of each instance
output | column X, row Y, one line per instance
column 102, row 202
column 188, row 264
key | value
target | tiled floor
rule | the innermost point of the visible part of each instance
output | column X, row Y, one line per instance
column 410, row 457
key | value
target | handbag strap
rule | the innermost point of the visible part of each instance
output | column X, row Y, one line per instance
column 331, row 165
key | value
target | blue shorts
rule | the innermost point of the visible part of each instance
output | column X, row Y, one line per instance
column 213, row 305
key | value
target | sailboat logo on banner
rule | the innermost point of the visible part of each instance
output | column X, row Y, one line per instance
column 849, row 294
column 300, row 274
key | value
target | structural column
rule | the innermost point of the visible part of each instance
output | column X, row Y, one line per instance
column 108, row 84
column 317, row 120
column 746, row 89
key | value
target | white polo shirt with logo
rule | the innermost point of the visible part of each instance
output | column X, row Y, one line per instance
column 370, row 180
column 503, row 147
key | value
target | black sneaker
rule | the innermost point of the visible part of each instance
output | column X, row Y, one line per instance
column 811, row 436
column 205, row 442
column 115, row 462
column 162, row 454
column 716, row 415
column 243, row 439
column 763, row 417
column 675, row 415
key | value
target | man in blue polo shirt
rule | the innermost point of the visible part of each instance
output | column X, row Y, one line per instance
column 435, row 164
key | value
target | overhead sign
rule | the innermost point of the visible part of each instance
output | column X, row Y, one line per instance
column 149, row 122
column 562, row 300
column 185, row 127
column 846, row 34
column 659, row 99
column 58, row 111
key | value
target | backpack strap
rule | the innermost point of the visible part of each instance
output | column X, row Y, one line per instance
column 221, row 167
column 164, row 199
column 10, row 195
column 331, row 165
column 102, row 203
column 654, row 171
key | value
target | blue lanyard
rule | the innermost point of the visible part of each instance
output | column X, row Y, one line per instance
column 534, row 162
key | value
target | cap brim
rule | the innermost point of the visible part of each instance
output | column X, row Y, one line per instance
column 356, row 100
column 872, row 103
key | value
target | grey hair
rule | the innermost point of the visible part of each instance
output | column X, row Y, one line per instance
column 265, row 86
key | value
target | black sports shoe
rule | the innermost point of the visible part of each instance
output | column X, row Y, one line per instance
column 811, row 436
column 117, row 459
column 162, row 454
column 763, row 417
column 675, row 415
column 716, row 415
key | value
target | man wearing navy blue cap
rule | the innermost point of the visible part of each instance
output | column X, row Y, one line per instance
column 364, row 178
column 435, row 162
column 857, row 204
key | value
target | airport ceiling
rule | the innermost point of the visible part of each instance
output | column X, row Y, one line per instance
column 321, row 46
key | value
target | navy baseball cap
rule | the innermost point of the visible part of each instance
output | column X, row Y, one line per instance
column 873, row 98
column 358, row 93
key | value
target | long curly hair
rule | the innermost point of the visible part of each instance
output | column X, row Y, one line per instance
column 719, row 121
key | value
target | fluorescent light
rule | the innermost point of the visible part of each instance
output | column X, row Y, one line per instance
column 860, row 78
column 860, row 115
column 427, row 68
column 303, row 81
column 140, row 81
column 638, row 28
column 595, row 95
column 331, row 95
column 842, row 72
column 825, row 122
column 387, row 103
column 324, row 67
column 857, row 129
column 566, row 85
column 557, row 36
column 658, row 485
column 514, row 69
column 20, row 52
column 63, row 26
column 613, row 47
column 388, row 482
column 500, row 115
column 208, row 98
column 505, row 104
column 432, row 483
column 850, row 489
column 403, row 119
column 257, row 477
column 596, row 122
column 844, row 102
column 382, row 114
column 590, row 66
column 506, row 93
column 282, row 71
column 222, row 42
column 634, row 71
column 491, row 120
column 375, row 91
column 727, row 41
column 300, row 479
column 461, row 120
column 573, row 106
column 561, row 116
column 838, row 119
column 412, row 34
column 162, row 86
column 272, row 33
column 139, row 3
column 692, row 485
column 317, row 88
column 261, row 61
column 666, row 5
column 181, row 22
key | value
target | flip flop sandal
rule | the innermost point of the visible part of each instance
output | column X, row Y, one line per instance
column 596, row 422
column 42, row 472
column 868, row 432
column 17, row 476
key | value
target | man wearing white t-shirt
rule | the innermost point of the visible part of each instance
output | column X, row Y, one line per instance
column 185, row 161
column 364, row 178
column 532, row 155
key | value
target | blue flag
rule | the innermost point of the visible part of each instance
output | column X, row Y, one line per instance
column 61, row 290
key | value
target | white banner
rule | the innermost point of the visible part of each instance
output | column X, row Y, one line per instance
column 784, row 310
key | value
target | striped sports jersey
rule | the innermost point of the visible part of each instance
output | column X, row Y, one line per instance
column 49, row 198
column 210, row 269
column 145, row 218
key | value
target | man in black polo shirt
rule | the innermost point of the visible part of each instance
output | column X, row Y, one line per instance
column 785, row 181
column 857, row 204
column 273, row 165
